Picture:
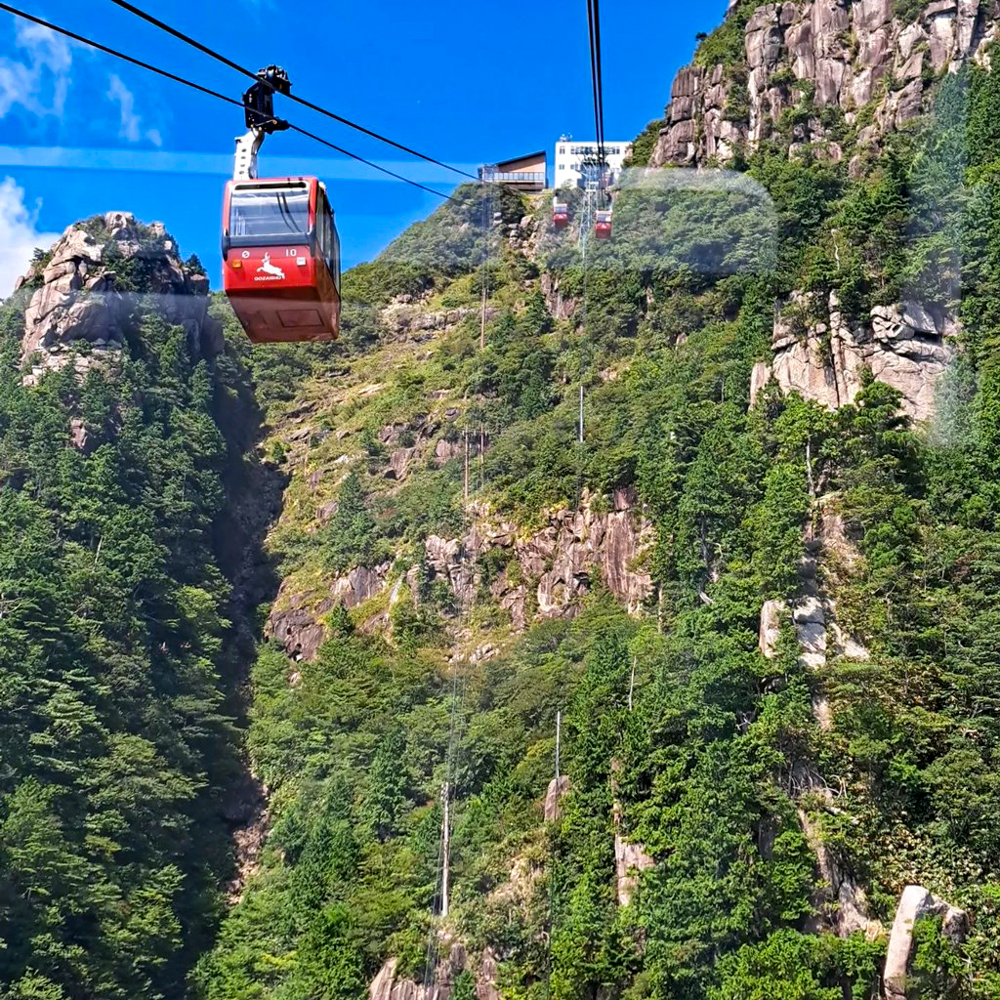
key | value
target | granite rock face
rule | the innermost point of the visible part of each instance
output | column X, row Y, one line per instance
column 847, row 54
column 916, row 903
column 908, row 346
column 387, row 985
column 547, row 573
column 82, row 303
column 556, row 566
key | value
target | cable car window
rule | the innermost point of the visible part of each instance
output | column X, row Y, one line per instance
column 274, row 212
column 334, row 254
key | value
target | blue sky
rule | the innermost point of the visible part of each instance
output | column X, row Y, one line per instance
column 82, row 133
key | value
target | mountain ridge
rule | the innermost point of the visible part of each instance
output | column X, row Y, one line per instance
column 756, row 601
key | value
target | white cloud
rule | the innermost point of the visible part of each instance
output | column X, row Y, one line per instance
column 130, row 127
column 39, row 83
column 19, row 234
column 35, row 82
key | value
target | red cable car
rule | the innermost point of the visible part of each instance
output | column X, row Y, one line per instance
column 560, row 214
column 602, row 224
column 281, row 259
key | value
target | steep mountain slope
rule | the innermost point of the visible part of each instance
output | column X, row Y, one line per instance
column 796, row 719
column 757, row 602
column 123, row 619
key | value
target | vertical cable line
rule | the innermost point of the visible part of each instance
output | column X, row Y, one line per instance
column 594, row 75
column 600, row 77
column 597, row 83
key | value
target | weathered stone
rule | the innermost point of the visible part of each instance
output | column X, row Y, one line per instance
column 838, row 900
column 486, row 979
column 772, row 614
column 359, row 585
column 630, row 861
column 399, row 460
column 79, row 299
column 298, row 631
column 79, row 434
column 557, row 790
column 565, row 558
column 915, row 904
column 844, row 49
column 445, row 451
column 907, row 346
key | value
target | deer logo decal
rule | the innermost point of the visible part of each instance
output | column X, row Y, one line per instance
column 266, row 267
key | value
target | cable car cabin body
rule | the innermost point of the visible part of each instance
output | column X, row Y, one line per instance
column 281, row 259
column 602, row 225
column 560, row 215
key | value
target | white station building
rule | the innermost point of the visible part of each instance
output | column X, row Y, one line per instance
column 571, row 153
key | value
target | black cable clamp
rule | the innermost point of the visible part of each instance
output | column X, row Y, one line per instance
column 258, row 101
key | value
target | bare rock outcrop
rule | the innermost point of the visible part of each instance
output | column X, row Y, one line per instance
column 407, row 321
column 296, row 618
column 486, row 980
column 558, row 304
column 555, row 566
column 245, row 810
column 813, row 612
column 388, row 986
column 916, row 903
column 631, row 859
column 296, row 628
column 557, row 790
column 840, row 903
column 385, row 986
column 907, row 346
column 844, row 55
column 357, row 586
column 698, row 124
column 82, row 301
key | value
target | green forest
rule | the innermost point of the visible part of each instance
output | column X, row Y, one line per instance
column 140, row 680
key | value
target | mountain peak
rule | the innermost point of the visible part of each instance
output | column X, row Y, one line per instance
column 832, row 73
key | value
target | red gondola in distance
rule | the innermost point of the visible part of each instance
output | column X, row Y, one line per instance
column 602, row 224
column 560, row 214
column 281, row 259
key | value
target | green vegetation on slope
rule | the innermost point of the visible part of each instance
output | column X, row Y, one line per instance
column 721, row 751
column 117, row 739
column 710, row 761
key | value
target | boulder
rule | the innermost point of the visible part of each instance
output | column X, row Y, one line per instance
column 916, row 903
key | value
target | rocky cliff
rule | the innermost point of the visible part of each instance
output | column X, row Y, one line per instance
column 908, row 346
column 833, row 81
column 868, row 65
column 84, row 291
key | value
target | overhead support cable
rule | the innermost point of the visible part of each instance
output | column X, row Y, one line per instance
column 600, row 74
column 207, row 50
column 214, row 93
column 597, row 84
